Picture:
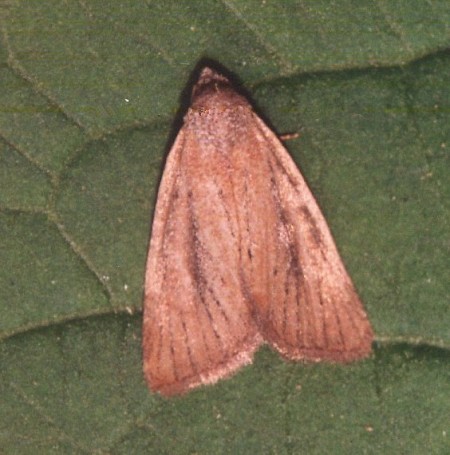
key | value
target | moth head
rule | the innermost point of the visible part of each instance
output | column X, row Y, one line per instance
column 214, row 90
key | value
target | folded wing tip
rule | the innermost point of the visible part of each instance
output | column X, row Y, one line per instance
column 213, row 374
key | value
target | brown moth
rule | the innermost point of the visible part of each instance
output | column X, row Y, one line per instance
column 240, row 254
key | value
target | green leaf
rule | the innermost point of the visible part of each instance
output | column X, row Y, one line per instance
column 89, row 106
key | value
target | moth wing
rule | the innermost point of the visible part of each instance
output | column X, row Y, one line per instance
column 304, row 299
column 197, row 325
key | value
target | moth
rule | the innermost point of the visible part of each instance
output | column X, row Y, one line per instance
column 240, row 254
